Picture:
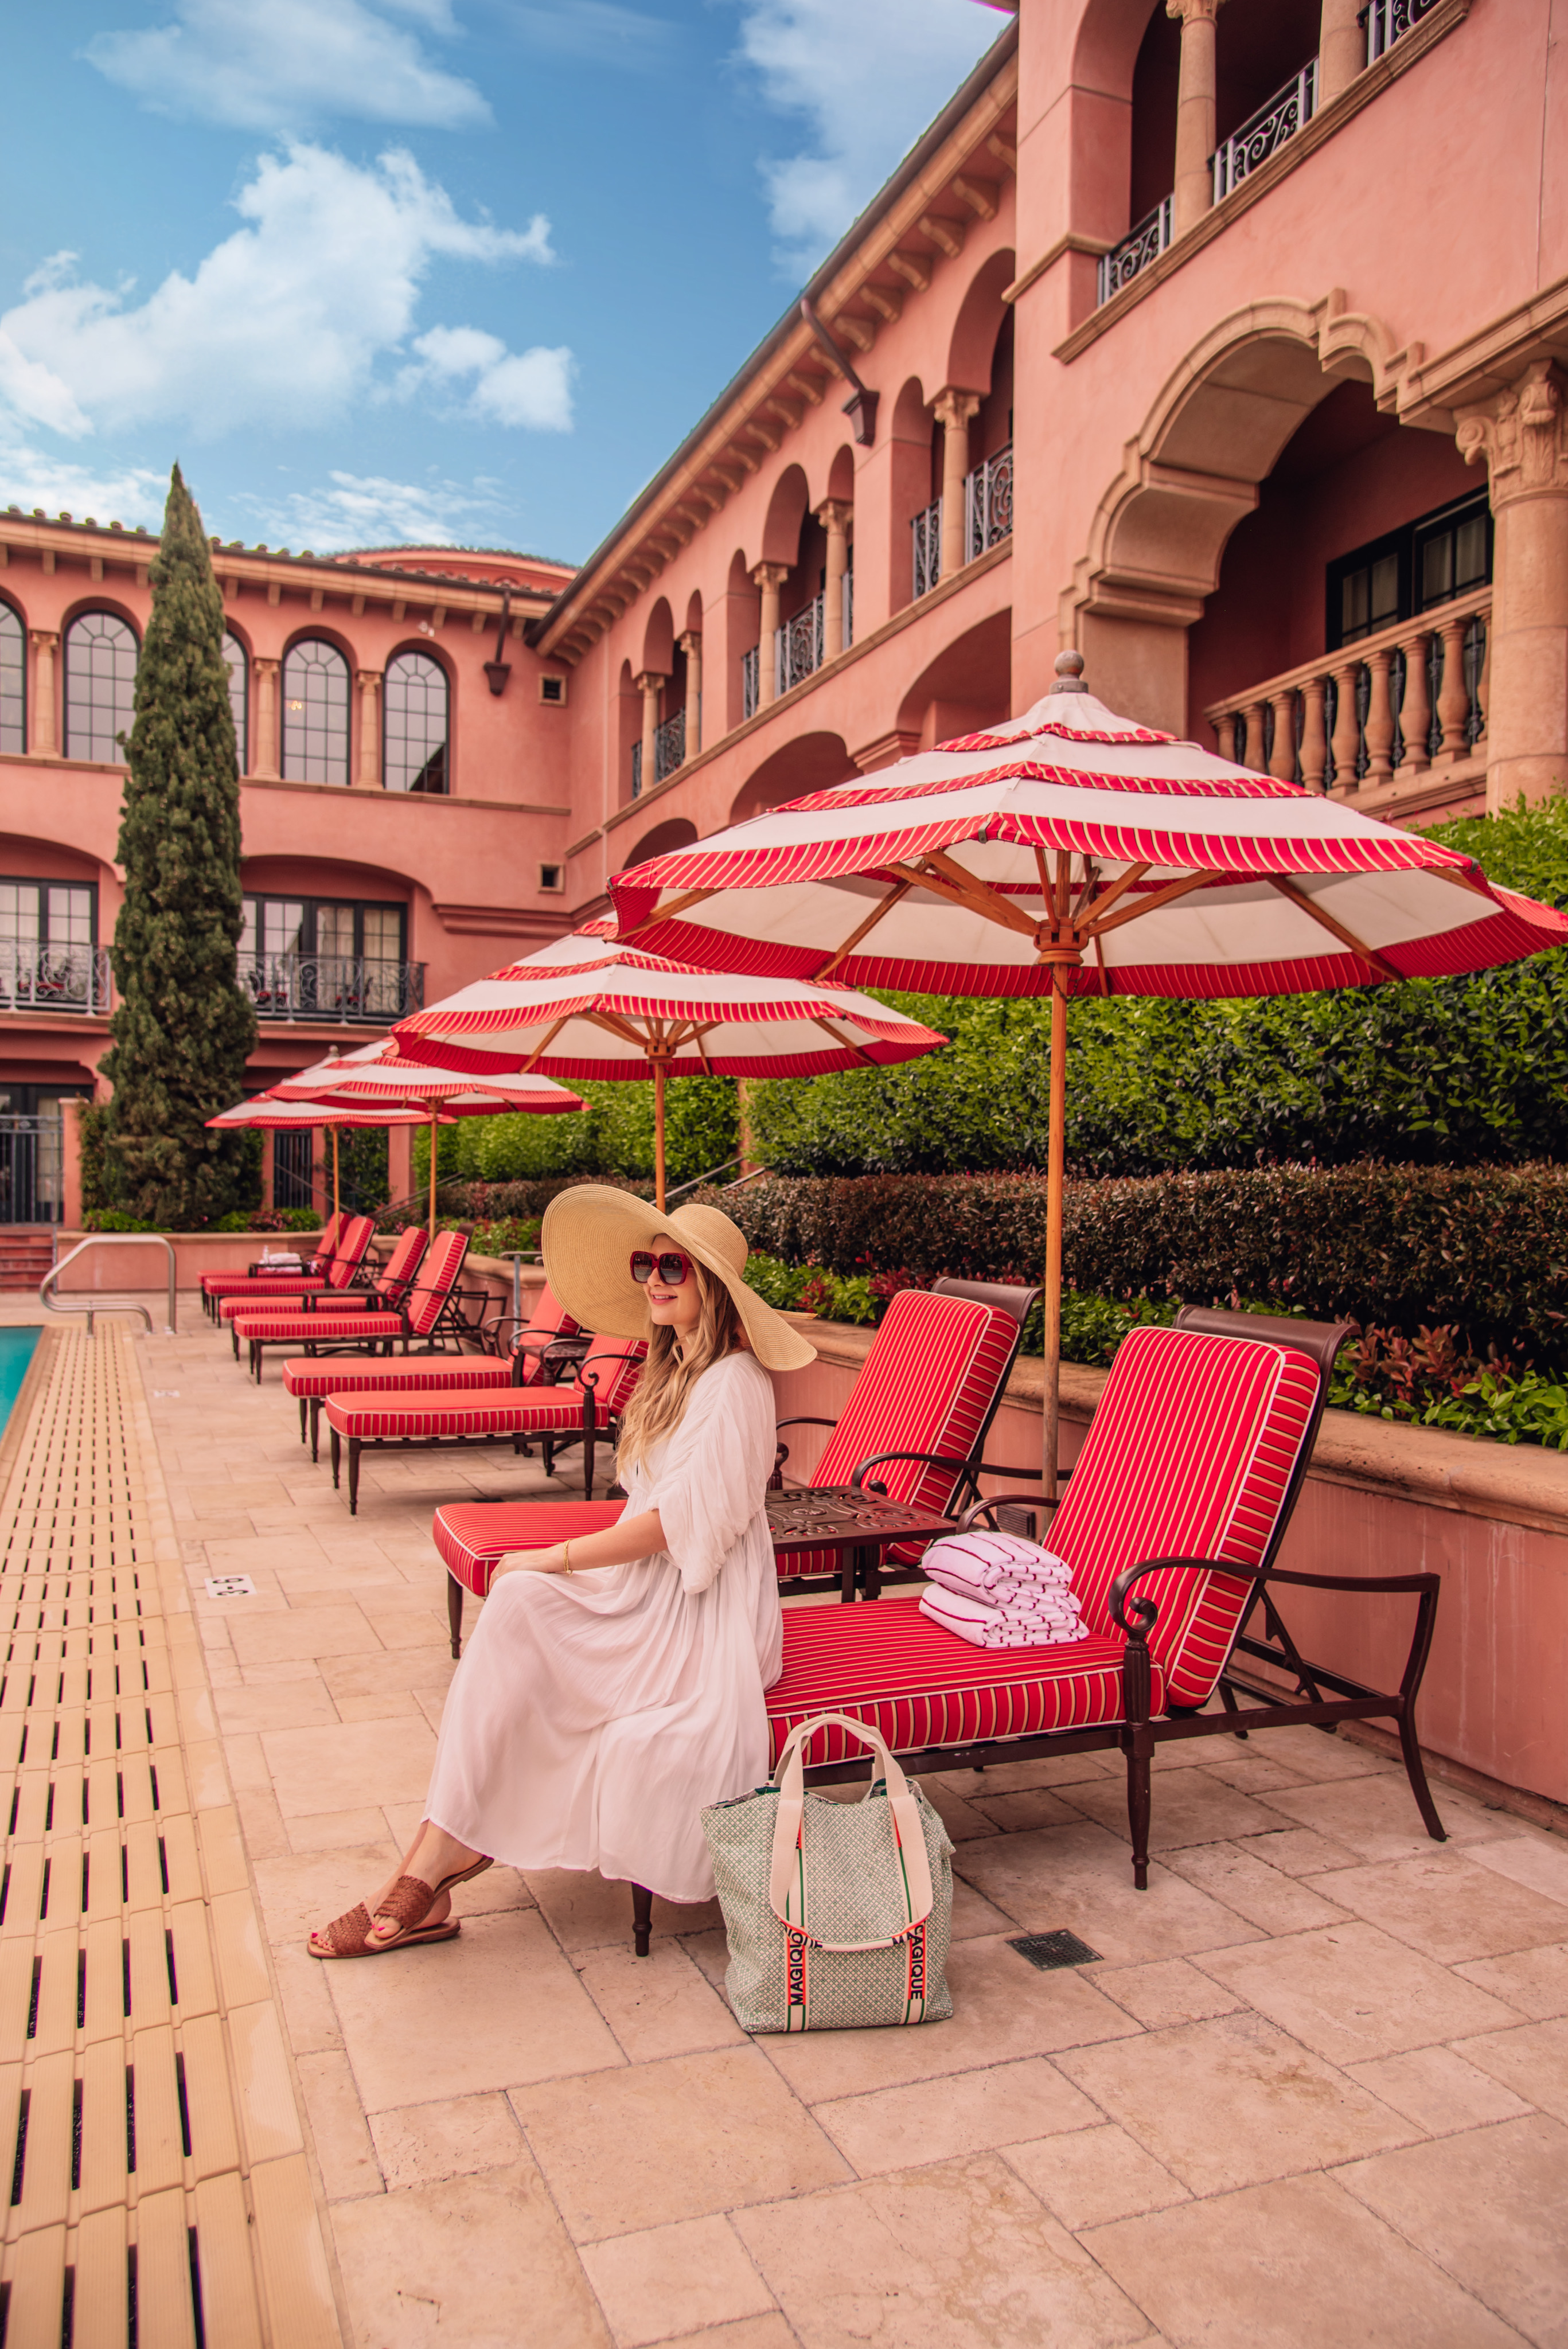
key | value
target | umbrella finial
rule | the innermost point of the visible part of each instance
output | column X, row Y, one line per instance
column 1069, row 674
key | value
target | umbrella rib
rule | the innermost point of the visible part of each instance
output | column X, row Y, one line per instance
column 1166, row 896
column 886, row 905
column 847, row 1042
column 531, row 1064
column 1101, row 905
column 1369, row 955
column 618, row 1027
column 962, row 888
column 677, row 905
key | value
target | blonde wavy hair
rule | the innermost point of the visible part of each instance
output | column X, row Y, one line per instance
column 659, row 1404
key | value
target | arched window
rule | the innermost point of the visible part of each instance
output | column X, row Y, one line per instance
column 100, row 686
column 13, row 682
column 413, row 757
column 236, row 663
column 316, row 714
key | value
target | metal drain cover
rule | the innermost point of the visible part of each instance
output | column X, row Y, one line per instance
column 1050, row 1950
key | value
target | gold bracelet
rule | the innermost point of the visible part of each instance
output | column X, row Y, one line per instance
column 566, row 1567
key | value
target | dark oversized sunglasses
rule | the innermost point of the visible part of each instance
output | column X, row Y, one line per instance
column 671, row 1269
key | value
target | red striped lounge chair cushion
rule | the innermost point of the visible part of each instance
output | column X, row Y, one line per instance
column 261, row 1284
column 927, row 1384
column 275, row 1298
column 329, row 1306
column 403, row 1261
column 298, row 1329
column 305, row 1375
column 438, row 1276
column 1190, row 1455
column 891, row 1666
column 557, row 1411
column 353, row 1247
column 472, row 1535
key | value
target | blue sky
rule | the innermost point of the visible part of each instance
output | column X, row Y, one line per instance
column 393, row 269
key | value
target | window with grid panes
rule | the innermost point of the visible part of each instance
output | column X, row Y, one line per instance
column 1441, row 554
column 315, row 713
column 239, row 701
column 47, row 933
column 13, row 682
column 100, row 686
column 414, row 725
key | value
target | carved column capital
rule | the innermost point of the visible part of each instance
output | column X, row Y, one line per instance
column 833, row 514
column 770, row 574
column 953, row 407
column 368, row 680
column 690, row 642
column 649, row 683
column 264, row 667
column 1521, row 435
column 44, row 640
column 1189, row 12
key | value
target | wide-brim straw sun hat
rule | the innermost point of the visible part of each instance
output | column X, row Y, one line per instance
column 587, row 1238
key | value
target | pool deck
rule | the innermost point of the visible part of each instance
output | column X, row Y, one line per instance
column 1314, row 2091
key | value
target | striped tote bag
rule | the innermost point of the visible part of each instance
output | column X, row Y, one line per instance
column 838, row 1914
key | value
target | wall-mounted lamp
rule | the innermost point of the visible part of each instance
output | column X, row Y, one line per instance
column 861, row 405
column 499, row 670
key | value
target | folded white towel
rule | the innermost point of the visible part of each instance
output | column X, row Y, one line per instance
column 990, row 1627
column 990, row 1563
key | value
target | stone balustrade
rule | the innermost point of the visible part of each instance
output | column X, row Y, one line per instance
column 1402, row 704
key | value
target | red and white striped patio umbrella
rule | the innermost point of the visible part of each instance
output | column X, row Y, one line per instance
column 1072, row 852
column 263, row 1114
column 377, row 1077
column 587, row 1005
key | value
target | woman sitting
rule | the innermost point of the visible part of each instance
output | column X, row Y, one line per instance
column 615, row 1684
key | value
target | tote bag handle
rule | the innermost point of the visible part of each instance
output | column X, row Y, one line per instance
column 786, row 1894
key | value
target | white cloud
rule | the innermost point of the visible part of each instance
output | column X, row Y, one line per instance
column 867, row 79
column 533, row 389
column 31, row 477
column 599, row 32
column 284, row 322
column 289, row 64
column 369, row 510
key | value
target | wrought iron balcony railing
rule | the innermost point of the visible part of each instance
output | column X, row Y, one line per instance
column 669, row 746
column 925, row 538
column 1141, row 246
column 988, row 504
column 1385, row 708
column 354, row 988
column 54, row 978
column 1388, row 21
column 797, row 648
column 750, row 677
column 1288, row 111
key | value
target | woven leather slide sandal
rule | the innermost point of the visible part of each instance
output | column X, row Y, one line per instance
column 348, row 1935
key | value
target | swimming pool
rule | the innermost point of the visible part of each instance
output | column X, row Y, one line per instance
column 18, row 1348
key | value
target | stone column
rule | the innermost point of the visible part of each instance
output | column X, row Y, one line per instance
column 952, row 411
column 692, row 645
column 770, row 578
column 1341, row 49
column 368, row 681
column 269, row 1158
column 45, row 739
column 649, row 685
column 1194, row 189
column 833, row 515
column 1521, row 435
column 400, row 1161
column 266, row 768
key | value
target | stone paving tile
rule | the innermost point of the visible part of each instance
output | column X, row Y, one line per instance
column 1534, row 1981
column 344, row 2152
column 1232, row 2102
column 1263, row 1894
column 1295, row 1851
column 659, row 2005
column 663, row 2282
column 458, row 2137
column 1080, row 1878
column 972, row 2112
column 454, row 2018
column 1352, row 1992
column 1190, row 1806
column 961, row 2254
column 333, row 1768
column 657, row 2142
column 751, row 2332
column 1282, row 2266
column 1540, row 1861
column 1444, row 1906
column 471, row 2259
column 1094, row 2175
column 1172, row 1990
column 1489, row 2208
column 1376, row 1817
column 1437, row 2090
column 1532, row 2060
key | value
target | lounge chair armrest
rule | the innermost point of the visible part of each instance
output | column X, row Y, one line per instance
column 1145, row 1611
column 1356, row 1581
column 589, row 1360
column 879, row 1459
column 999, row 1500
column 806, row 1422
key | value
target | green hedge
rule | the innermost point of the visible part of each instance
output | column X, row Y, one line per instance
column 613, row 1135
column 1404, row 1247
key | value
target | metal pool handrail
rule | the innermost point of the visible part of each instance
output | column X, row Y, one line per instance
column 110, row 1239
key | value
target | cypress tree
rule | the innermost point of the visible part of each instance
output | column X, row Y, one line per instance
column 182, row 1028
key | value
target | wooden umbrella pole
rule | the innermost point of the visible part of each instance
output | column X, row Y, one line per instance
column 337, row 1182
column 659, row 1133
column 432, row 1177
column 1055, row 1172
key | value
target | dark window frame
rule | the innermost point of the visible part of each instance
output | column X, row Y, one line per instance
column 311, row 907
column 44, row 883
column 1407, row 545
column 301, row 646
column 442, row 753
column 76, row 620
column 19, row 748
column 243, row 722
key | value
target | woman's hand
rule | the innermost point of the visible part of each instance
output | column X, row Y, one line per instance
column 532, row 1562
column 616, row 1545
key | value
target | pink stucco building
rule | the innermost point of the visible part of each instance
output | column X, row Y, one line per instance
column 1222, row 342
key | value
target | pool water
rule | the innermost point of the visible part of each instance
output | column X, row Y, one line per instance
column 18, row 1348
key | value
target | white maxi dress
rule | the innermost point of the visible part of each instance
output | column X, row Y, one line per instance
column 595, row 1714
